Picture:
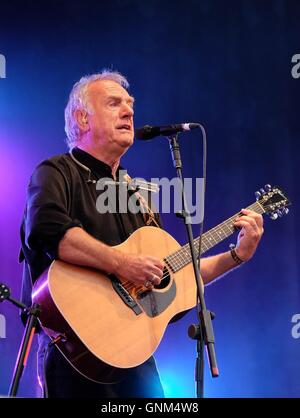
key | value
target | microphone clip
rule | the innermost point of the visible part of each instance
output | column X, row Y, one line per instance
column 134, row 185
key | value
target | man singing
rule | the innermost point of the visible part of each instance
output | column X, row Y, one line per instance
column 61, row 221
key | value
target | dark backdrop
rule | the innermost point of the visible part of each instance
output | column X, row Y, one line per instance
column 226, row 64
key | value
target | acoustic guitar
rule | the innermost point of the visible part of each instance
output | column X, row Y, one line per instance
column 103, row 324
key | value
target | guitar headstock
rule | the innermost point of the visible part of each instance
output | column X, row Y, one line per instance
column 273, row 201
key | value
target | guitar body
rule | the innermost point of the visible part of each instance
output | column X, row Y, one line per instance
column 102, row 334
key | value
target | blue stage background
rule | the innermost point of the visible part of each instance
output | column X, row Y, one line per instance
column 224, row 64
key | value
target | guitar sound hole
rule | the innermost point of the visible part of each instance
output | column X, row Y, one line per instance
column 165, row 280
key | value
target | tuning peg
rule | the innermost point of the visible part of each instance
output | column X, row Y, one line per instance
column 262, row 191
column 257, row 195
column 268, row 188
column 279, row 212
column 274, row 216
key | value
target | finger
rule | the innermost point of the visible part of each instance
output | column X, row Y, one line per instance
column 155, row 280
column 148, row 284
column 257, row 228
column 156, row 272
column 254, row 215
column 245, row 227
column 258, row 218
column 248, row 228
column 159, row 264
column 248, row 220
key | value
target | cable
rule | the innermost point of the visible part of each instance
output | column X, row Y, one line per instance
column 204, row 139
column 89, row 180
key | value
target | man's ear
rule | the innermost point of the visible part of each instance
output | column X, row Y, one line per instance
column 81, row 117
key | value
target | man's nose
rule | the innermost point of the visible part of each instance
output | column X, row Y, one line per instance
column 127, row 110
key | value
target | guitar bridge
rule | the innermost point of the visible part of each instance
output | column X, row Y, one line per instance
column 125, row 295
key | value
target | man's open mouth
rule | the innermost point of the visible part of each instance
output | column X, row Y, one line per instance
column 125, row 126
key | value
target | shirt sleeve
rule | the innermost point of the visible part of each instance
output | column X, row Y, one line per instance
column 48, row 209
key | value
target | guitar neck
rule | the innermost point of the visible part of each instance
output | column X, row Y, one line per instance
column 182, row 257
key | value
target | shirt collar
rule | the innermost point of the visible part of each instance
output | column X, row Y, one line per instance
column 97, row 167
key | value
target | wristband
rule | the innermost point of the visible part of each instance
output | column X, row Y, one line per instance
column 236, row 258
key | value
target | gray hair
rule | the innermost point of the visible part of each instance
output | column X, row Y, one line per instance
column 78, row 100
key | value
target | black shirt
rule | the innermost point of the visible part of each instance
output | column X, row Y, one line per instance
column 60, row 196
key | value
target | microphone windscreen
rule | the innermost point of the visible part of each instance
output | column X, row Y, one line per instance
column 147, row 132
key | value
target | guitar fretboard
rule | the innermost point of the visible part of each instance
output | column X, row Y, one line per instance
column 183, row 257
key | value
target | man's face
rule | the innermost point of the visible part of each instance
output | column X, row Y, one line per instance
column 111, row 121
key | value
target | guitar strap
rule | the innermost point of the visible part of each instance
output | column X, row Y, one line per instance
column 148, row 214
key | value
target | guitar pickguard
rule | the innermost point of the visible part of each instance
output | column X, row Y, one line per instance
column 154, row 302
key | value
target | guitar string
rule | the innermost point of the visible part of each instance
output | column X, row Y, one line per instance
column 208, row 236
column 179, row 261
column 175, row 259
column 211, row 235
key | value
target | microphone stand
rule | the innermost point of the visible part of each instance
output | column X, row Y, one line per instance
column 203, row 331
column 31, row 324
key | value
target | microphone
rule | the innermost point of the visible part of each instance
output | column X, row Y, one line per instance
column 148, row 132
